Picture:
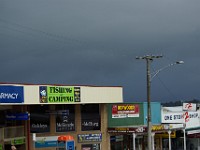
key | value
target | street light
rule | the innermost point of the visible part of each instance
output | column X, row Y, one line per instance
column 153, row 74
column 150, row 76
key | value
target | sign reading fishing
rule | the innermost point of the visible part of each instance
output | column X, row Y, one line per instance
column 59, row 94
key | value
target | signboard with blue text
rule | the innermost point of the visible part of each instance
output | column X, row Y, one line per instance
column 90, row 137
column 11, row 94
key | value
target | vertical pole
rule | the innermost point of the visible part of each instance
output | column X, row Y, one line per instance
column 184, row 139
column 34, row 139
column 148, row 59
column 153, row 135
column 169, row 132
column 134, row 136
column 148, row 104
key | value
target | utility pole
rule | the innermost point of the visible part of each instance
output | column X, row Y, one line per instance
column 149, row 59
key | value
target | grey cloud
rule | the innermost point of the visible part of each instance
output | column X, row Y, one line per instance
column 96, row 42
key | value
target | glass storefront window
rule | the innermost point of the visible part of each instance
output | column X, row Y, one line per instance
column 2, row 118
column 90, row 117
column 39, row 119
column 65, row 118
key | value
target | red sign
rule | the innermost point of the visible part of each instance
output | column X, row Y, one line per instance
column 139, row 129
column 125, row 110
column 189, row 106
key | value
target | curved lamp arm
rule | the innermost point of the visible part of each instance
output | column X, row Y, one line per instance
column 153, row 74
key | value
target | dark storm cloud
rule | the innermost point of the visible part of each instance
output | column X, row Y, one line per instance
column 93, row 42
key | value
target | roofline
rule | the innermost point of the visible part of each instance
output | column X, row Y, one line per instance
column 57, row 84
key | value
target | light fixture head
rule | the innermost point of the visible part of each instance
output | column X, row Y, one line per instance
column 180, row 62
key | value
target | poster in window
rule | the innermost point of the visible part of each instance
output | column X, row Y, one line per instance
column 39, row 122
column 65, row 121
column 90, row 124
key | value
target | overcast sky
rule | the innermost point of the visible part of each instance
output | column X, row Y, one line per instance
column 95, row 42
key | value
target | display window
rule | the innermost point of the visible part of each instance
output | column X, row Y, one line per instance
column 2, row 118
column 39, row 119
column 90, row 117
column 65, row 118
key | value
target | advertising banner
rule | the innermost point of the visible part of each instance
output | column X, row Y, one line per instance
column 90, row 124
column 48, row 141
column 59, row 94
column 172, row 117
column 11, row 94
column 90, row 137
column 65, row 121
column 192, row 119
column 125, row 110
column 189, row 118
column 139, row 129
column 166, row 135
column 18, row 141
column 39, row 123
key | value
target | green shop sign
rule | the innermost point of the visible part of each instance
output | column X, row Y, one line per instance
column 59, row 94
column 19, row 141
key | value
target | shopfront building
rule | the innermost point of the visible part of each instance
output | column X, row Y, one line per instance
column 127, row 125
column 189, row 116
column 34, row 116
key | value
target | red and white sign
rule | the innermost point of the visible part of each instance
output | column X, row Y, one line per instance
column 191, row 119
column 189, row 107
column 125, row 110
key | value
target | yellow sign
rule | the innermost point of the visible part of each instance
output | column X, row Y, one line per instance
column 158, row 127
column 166, row 135
column 126, row 107
column 121, row 129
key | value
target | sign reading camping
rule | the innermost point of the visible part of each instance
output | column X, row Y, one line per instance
column 125, row 110
column 11, row 94
column 59, row 94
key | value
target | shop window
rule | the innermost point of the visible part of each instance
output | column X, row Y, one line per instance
column 65, row 118
column 2, row 118
column 90, row 117
column 39, row 119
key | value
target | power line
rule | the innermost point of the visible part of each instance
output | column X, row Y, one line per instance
column 167, row 89
column 27, row 30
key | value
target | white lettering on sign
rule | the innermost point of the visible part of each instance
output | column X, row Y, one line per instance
column 140, row 129
column 8, row 95
column 69, row 125
column 39, row 125
column 90, row 124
